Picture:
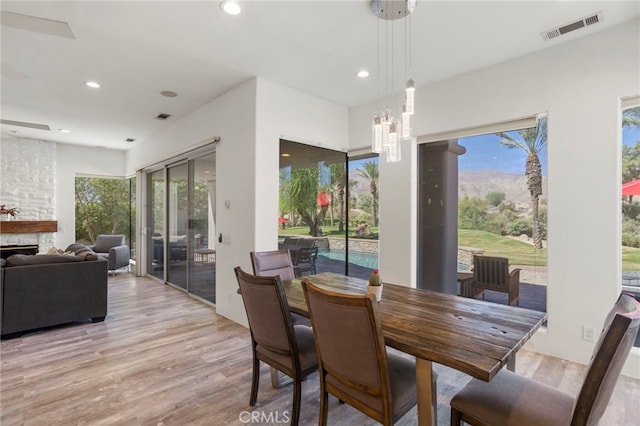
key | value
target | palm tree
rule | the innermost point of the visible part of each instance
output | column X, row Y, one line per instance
column 531, row 141
column 303, row 192
column 370, row 172
column 631, row 117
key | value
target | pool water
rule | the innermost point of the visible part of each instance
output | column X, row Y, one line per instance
column 368, row 260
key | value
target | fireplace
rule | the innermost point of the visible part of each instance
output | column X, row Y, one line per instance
column 8, row 250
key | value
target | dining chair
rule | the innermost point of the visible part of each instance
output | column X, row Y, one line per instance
column 510, row 399
column 353, row 362
column 304, row 260
column 276, row 262
column 274, row 339
column 492, row 273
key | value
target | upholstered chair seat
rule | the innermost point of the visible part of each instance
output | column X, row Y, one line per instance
column 275, row 341
column 512, row 400
column 353, row 361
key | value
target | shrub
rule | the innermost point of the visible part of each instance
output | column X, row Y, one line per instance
column 495, row 198
column 519, row 226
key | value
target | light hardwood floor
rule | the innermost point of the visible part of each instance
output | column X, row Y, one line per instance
column 163, row 358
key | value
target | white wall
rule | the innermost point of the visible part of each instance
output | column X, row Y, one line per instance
column 250, row 120
column 283, row 112
column 579, row 84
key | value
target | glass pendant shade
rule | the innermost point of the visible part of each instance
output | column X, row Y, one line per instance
column 406, row 123
column 410, row 91
column 393, row 150
column 386, row 124
column 376, row 144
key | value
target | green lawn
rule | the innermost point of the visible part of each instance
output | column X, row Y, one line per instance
column 328, row 231
column 630, row 259
column 518, row 252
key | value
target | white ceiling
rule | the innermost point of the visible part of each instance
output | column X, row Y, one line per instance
column 138, row 49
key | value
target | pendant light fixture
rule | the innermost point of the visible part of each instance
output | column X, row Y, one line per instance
column 387, row 131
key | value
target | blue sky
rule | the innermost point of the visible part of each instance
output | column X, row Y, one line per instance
column 630, row 135
column 485, row 152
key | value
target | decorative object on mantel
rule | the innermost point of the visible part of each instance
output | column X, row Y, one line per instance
column 8, row 214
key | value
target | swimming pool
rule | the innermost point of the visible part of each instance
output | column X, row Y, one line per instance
column 368, row 260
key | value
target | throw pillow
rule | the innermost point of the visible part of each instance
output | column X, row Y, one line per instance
column 82, row 251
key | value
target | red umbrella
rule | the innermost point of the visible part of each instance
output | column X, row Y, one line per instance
column 631, row 188
column 281, row 219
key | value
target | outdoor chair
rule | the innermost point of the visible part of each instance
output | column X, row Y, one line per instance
column 274, row 339
column 353, row 362
column 304, row 260
column 492, row 273
column 515, row 400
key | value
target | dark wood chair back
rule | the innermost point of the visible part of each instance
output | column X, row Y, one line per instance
column 492, row 273
column 352, row 356
column 304, row 260
column 274, row 339
column 611, row 351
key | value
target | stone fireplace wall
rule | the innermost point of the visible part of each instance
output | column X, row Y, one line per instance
column 28, row 181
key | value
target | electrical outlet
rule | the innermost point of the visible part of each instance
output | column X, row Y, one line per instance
column 588, row 333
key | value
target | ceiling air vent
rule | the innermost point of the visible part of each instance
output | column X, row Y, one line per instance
column 581, row 23
column 163, row 116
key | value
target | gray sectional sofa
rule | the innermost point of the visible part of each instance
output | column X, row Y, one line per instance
column 48, row 289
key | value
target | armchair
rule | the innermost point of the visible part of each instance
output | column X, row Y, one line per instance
column 492, row 273
column 112, row 248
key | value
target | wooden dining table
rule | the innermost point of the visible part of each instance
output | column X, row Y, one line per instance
column 472, row 336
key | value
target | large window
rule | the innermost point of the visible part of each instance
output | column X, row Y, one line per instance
column 502, row 206
column 631, row 199
column 482, row 191
column 105, row 206
column 331, row 203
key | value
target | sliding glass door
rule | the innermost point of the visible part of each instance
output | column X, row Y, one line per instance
column 178, row 221
column 182, row 222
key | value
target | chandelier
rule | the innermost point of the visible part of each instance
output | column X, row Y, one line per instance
column 388, row 130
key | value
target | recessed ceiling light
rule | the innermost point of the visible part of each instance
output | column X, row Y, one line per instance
column 92, row 84
column 363, row 74
column 168, row 94
column 231, row 7
column 284, row 154
column 129, row 140
column 64, row 130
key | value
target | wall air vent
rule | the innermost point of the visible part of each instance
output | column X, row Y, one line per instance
column 580, row 23
column 163, row 116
